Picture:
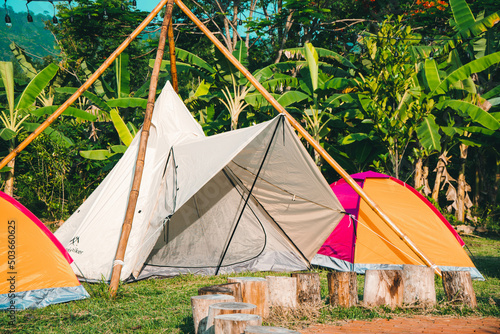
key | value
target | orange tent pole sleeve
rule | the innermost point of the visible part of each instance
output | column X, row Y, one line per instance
column 141, row 156
column 307, row 137
column 85, row 86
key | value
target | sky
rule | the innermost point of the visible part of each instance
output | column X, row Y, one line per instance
column 41, row 7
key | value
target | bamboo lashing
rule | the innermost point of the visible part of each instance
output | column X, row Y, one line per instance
column 141, row 155
column 308, row 137
column 85, row 85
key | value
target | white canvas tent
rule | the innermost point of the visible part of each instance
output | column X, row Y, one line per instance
column 250, row 199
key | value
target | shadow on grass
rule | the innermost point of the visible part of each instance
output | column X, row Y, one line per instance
column 187, row 325
column 488, row 265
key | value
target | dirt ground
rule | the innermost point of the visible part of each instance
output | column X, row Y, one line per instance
column 416, row 324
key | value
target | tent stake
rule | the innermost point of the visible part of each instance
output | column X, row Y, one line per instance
column 84, row 87
column 139, row 165
column 307, row 137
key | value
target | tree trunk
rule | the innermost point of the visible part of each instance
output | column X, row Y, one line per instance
column 231, row 289
column 282, row 291
column 383, row 287
column 227, row 308
column 253, row 3
column 441, row 165
column 254, row 290
column 236, row 4
column 417, row 179
column 419, row 286
column 200, row 306
column 9, row 182
column 460, row 214
column 458, row 288
column 343, row 288
column 308, row 288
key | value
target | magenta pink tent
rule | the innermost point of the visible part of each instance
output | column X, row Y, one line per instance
column 363, row 241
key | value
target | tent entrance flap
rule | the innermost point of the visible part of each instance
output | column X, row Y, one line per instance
column 249, row 194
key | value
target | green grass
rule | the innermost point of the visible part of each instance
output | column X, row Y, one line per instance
column 163, row 305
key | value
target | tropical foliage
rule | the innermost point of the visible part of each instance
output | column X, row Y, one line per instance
column 415, row 94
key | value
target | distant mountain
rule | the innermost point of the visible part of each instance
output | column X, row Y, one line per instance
column 31, row 36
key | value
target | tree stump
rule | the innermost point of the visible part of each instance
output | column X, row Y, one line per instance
column 254, row 290
column 383, row 287
column 308, row 288
column 268, row 330
column 343, row 288
column 227, row 308
column 231, row 289
column 458, row 288
column 200, row 306
column 282, row 291
column 235, row 323
column 419, row 286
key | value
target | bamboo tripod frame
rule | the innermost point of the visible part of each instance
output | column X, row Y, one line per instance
column 166, row 29
column 308, row 137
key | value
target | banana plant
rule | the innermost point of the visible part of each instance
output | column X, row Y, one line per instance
column 126, row 132
column 466, row 25
column 107, row 97
column 20, row 109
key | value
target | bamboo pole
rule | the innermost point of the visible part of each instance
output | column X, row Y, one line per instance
column 141, row 155
column 308, row 137
column 85, row 85
column 171, row 48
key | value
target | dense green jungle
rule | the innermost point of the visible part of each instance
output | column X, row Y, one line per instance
column 406, row 88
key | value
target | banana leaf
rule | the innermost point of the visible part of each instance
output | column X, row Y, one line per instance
column 120, row 126
column 70, row 111
column 428, row 134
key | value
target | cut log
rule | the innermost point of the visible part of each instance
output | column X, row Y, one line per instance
column 254, row 290
column 231, row 289
column 268, row 330
column 235, row 323
column 200, row 306
column 458, row 288
column 308, row 288
column 282, row 291
column 227, row 308
column 343, row 288
column 383, row 287
column 419, row 289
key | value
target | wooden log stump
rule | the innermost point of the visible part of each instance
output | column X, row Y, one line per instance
column 254, row 290
column 419, row 286
column 227, row 308
column 343, row 288
column 231, row 289
column 308, row 288
column 200, row 306
column 458, row 288
column 235, row 323
column 268, row 330
column 282, row 291
column 383, row 287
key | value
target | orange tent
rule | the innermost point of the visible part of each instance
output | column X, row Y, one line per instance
column 363, row 241
column 35, row 268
